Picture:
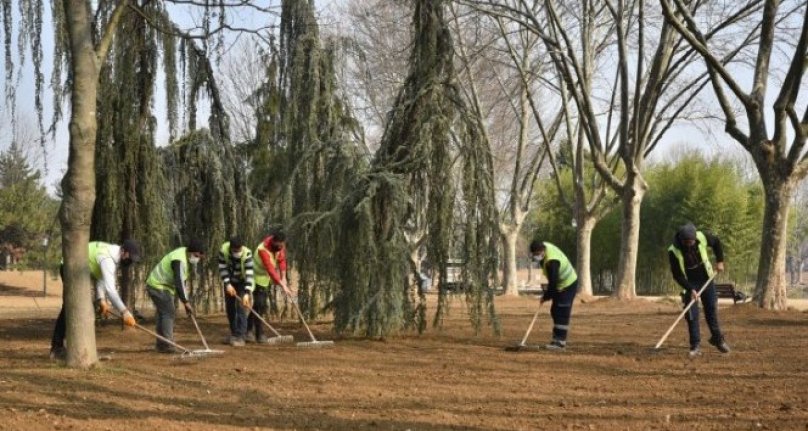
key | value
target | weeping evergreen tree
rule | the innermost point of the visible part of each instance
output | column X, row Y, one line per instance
column 414, row 173
column 305, row 155
column 194, row 188
column 129, row 179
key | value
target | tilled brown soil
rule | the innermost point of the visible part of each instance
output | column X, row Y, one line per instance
column 609, row 378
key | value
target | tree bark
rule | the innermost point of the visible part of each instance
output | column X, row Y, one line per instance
column 510, row 235
column 583, row 263
column 633, row 192
column 78, row 186
column 770, row 289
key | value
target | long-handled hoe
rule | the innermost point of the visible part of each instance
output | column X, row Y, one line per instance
column 682, row 314
column 522, row 346
column 278, row 338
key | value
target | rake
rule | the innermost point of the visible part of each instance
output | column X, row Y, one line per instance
column 278, row 338
column 682, row 314
column 522, row 346
column 314, row 343
column 186, row 353
column 207, row 350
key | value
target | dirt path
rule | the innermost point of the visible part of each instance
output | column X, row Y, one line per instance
column 608, row 379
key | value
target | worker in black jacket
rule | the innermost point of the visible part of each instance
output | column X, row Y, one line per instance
column 691, row 268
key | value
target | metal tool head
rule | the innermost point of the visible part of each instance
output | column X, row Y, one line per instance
column 523, row 348
column 315, row 344
column 282, row 339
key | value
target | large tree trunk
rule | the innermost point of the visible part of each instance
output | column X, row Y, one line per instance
column 633, row 192
column 583, row 263
column 770, row 290
column 78, row 186
column 510, row 235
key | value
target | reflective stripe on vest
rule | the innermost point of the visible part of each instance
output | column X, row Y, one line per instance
column 96, row 248
column 705, row 258
column 566, row 273
column 262, row 278
column 162, row 276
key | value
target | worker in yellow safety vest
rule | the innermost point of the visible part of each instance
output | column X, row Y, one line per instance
column 166, row 281
column 562, row 285
column 691, row 268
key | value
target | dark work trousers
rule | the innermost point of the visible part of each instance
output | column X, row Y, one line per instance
column 709, row 300
column 164, row 316
column 59, row 330
column 260, row 307
column 236, row 313
column 561, row 310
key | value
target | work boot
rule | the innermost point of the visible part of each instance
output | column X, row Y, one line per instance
column 58, row 353
column 556, row 345
column 262, row 339
column 249, row 337
column 167, row 349
column 720, row 344
column 695, row 352
column 236, row 341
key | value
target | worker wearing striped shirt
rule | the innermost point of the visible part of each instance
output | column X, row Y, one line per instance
column 238, row 280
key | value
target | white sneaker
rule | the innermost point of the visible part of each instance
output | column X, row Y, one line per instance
column 694, row 353
column 556, row 345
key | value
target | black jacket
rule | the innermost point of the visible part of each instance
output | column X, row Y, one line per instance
column 695, row 273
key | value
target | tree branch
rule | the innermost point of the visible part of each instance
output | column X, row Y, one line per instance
column 696, row 40
column 784, row 105
column 109, row 32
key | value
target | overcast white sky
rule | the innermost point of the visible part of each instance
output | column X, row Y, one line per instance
column 56, row 150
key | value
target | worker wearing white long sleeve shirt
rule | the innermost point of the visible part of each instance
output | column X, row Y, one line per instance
column 103, row 263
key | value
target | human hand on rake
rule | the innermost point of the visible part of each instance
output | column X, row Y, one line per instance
column 188, row 309
column 104, row 308
column 230, row 290
column 246, row 300
column 128, row 319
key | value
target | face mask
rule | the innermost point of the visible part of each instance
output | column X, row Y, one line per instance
column 236, row 255
column 193, row 260
column 538, row 258
column 126, row 262
column 275, row 248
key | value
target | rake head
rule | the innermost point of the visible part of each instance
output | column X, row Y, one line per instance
column 523, row 348
column 315, row 344
column 281, row 339
column 191, row 355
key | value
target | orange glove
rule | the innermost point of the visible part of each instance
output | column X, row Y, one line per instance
column 129, row 319
column 104, row 307
column 247, row 300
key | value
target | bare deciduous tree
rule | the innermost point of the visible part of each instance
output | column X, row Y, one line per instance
column 629, row 111
column 780, row 157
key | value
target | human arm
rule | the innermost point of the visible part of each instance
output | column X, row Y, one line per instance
column 552, row 270
column 273, row 272
column 179, row 285
column 249, row 273
column 106, row 285
column 715, row 243
column 224, row 274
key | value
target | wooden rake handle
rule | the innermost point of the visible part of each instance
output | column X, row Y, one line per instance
column 682, row 314
column 530, row 328
column 199, row 331
column 255, row 313
column 155, row 335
